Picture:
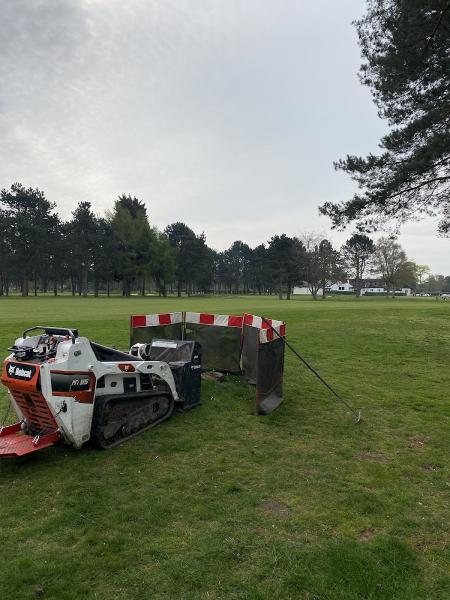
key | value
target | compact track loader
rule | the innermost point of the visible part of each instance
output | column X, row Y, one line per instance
column 67, row 388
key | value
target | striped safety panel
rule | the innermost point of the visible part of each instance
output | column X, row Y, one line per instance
column 209, row 319
column 266, row 334
column 157, row 319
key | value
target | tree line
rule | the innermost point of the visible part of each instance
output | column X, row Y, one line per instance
column 91, row 254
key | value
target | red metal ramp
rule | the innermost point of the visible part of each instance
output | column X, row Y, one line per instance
column 13, row 442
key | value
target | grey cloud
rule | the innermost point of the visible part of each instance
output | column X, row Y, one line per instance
column 225, row 114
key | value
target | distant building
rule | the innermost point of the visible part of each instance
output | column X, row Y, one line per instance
column 340, row 286
column 372, row 286
column 368, row 286
column 301, row 290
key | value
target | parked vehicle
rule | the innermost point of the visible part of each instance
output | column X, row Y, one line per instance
column 67, row 388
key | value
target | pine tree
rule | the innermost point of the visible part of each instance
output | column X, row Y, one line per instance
column 31, row 224
column 406, row 53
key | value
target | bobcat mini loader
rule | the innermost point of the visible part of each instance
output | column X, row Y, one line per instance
column 66, row 388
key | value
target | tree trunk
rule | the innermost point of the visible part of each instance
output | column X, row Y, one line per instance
column 84, row 281
column 55, row 287
column 107, row 288
column 280, row 287
column 143, row 286
column 24, row 286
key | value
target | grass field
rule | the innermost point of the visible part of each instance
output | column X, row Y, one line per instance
column 218, row 503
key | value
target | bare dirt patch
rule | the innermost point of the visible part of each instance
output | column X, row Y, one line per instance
column 367, row 534
column 417, row 441
column 430, row 468
column 272, row 507
column 426, row 543
column 213, row 376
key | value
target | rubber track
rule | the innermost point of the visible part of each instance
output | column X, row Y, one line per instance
column 97, row 418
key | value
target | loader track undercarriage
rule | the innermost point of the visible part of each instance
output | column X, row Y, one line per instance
column 119, row 417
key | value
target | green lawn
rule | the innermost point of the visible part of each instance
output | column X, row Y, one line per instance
column 218, row 503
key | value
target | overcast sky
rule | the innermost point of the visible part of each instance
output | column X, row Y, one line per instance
column 224, row 114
